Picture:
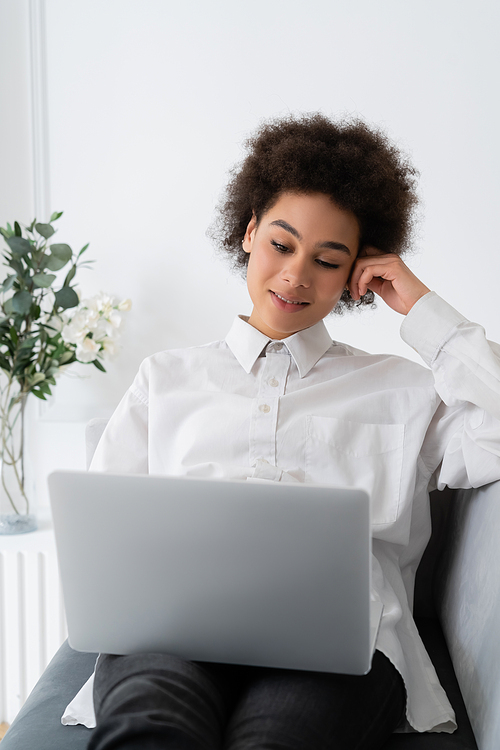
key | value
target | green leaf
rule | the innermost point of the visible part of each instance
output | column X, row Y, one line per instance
column 10, row 346
column 99, row 366
column 70, row 276
column 38, row 377
column 24, row 359
column 66, row 298
column 66, row 357
column 35, row 312
column 38, row 394
column 59, row 350
column 4, row 363
column 13, row 335
column 45, row 230
column 41, row 261
column 60, row 255
column 44, row 387
column 28, row 343
column 8, row 283
column 5, row 233
column 8, row 307
column 61, row 250
column 17, row 266
column 19, row 246
column 56, row 215
column 83, row 249
column 21, row 302
column 17, row 230
column 43, row 280
column 19, row 370
column 54, row 263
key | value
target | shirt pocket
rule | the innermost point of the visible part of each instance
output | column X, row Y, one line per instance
column 356, row 454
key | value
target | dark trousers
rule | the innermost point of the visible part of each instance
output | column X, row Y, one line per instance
column 150, row 701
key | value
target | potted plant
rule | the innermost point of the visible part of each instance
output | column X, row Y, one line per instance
column 44, row 328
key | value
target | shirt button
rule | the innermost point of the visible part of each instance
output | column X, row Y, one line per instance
column 279, row 346
column 273, row 382
column 265, row 408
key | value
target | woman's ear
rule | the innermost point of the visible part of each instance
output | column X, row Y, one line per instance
column 247, row 241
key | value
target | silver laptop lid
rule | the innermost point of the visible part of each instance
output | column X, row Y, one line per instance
column 231, row 571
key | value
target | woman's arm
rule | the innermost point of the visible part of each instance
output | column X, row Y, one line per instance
column 462, row 445
column 123, row 447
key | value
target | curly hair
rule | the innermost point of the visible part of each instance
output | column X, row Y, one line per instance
column 354, row 164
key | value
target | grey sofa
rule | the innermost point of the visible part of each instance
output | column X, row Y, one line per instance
column 457, row 609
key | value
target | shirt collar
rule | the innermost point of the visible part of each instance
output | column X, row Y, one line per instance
column 306, row 347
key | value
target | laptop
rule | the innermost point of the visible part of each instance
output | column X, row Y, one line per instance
column 238, row 572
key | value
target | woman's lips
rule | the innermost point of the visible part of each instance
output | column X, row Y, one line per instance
column 282, row 303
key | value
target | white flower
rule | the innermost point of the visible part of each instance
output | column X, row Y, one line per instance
column 94, row 326
column 87, row 350
column 103, row 330
column 115, row 319
column 77, row 328
column 70, row 334
column 91, row 317
column 101, row 303
column 110, row 347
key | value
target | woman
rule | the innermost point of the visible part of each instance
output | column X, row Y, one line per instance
column 317, row 216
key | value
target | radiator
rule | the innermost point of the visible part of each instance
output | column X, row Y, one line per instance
column 32, row 620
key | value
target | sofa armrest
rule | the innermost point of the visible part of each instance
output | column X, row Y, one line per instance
column 38, row 724
column 468, row 599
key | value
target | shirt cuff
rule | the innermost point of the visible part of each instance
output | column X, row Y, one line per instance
column 429, row 324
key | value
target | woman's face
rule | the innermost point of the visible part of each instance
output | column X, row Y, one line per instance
column 301, row 256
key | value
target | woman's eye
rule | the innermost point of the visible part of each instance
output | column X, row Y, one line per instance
column 284, row 249
column 324, row 264
column 278, row 247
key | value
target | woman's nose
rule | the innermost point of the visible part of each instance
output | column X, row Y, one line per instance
column 295, row 271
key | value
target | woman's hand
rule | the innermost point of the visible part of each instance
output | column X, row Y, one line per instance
column 387, row 276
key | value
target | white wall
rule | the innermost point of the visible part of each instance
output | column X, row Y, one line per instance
column 16, row 156
column 148, row 102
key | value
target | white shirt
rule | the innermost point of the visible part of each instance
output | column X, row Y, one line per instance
column 307, row 409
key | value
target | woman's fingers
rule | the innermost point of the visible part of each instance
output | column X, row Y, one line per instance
column 368, row 267
column 389, row 277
